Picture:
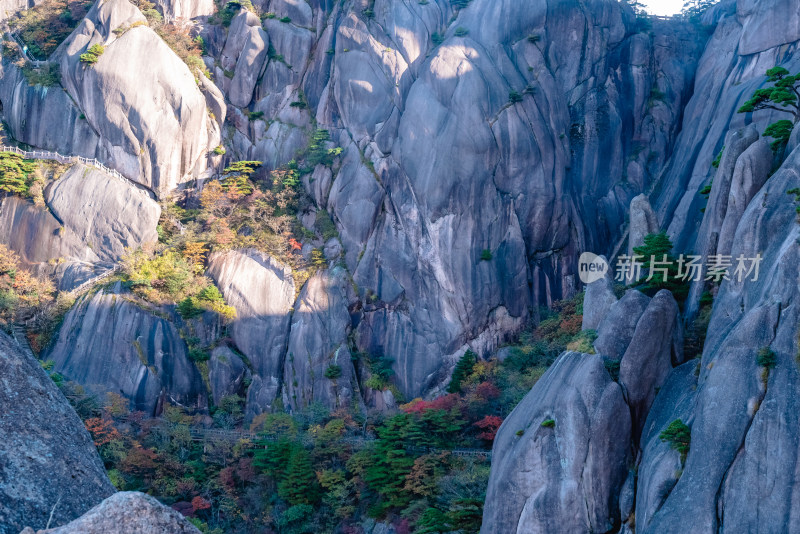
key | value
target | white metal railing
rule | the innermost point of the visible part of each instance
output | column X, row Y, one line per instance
column 55, row 156
column 24, row 50
column 92, row 281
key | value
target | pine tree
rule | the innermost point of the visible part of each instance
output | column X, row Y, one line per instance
column 659, row 247
column 462, row 371
column 300, row 486
column 784, row 96
column 390, row 465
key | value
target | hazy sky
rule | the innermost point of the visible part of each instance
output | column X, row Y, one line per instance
column 663, row 7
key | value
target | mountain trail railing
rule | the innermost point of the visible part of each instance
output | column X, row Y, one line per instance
column 55, row 156
column 205, row 434
column 23, row 48
column 88, row 284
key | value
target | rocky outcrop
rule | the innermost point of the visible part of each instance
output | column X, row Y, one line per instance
column 245, row 54
column 48, row 463
column 742, row 419
column 140, row 353
column 262, row 291
column 127, row 511
column 38, row 237
column 560, row 458
column 597, row 300
column 642, row 221
column 739, row 473
column 140, row 99
column 318, row 365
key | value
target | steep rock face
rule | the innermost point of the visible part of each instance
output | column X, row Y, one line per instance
column 48, row 462
column 127, row 511
column 106, row 213
column 560, row 458
column 598, row 298
column 415, row 200
column 226, row 373
column 262, row 291
column 742, row 418
column 317, row 343
column 37, row 236
column 740, row 473
column 140, row 99
column 139, row 355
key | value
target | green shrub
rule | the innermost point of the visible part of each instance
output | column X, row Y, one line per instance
column 437, row 38
column 658, row 246
column 706, row 190
column 268, row 15
column 780, row 131
column 717, row 159
column 198, row 355
column 48, row 76
column 92, row 55
column 766, row 358
column 220, row 150
column 548, row 423
column 679, row 437
column 583, row 342
column 286, row 20
column 369, row 13
column 46, row 25
column 520, row 432
column 333, row 372
column 189, row 308
column 486, row 254
column 325, row 225
column 461, row 31
column 534, row 37
column 514, row 97
column 612, row 366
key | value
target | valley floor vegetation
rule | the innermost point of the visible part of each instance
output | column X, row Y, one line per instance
column 319, row 471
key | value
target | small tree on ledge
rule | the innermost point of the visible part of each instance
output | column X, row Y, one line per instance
column 783, row 96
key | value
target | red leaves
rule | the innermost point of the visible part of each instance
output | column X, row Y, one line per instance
column 420, row 406
column 489, row 424
column 199, row 503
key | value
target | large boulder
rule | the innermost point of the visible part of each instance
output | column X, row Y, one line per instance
column 139, row 97
column 597, row 301
column 245, row 54
column 130, row 512
column 108, row 214
column 262, row 291
column 50, row 472
column 89, row 220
